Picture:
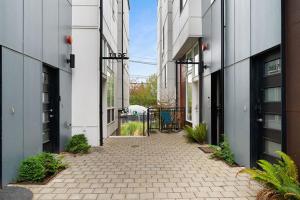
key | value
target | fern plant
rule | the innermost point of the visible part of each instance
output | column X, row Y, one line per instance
column 281, row 177
column 198, row 134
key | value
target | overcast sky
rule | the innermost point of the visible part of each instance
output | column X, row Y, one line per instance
column 142, row 36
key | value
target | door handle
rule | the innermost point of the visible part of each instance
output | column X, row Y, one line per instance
column 260, row 120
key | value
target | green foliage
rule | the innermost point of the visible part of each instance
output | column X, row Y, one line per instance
column 223, row 152
column 281, row 176
column 78, row 144
column 132, row 129
column 144, row 94
column 51, row 163
column 32, row 170
column 36, row 168
column 198, row 134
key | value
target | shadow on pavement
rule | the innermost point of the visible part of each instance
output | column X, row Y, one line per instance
column 15, row 193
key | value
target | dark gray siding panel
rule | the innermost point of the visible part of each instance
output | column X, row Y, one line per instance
column 242, row 29
column 32, row 107
column 12, row 113
column 33, row 28
column 229, row 105
column 65, row 79
column 11, row 24
column 265, row 25
column 65, row 28
column 207, row 39
column 50, row 32
column 229, row 33
column 206, row 104
column 241, row 147
column 216, row 36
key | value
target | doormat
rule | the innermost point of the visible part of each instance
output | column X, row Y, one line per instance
column 206, row 149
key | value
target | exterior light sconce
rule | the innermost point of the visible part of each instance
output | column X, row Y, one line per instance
column 69, row 39
column 71, row 61
column 204, row 47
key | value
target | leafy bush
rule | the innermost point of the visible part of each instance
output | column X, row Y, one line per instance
column 78, row 144
column 223, row 152
column 198, row 134
column 32, row 170
column 281, row 177
column 36, row 168
column 51, row 163
column 132, row 129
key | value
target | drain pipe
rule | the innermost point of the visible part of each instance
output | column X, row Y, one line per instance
column 222, row 61
column 200, row 80
column 101, row 77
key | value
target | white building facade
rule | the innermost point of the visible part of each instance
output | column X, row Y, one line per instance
column 86, row 76
column 166, row 66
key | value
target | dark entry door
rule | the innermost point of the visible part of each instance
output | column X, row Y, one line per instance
column 267, row 106
column 217, row 123
column 50, row 109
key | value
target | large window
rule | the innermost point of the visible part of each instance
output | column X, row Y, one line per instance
column 110, row 96
column 189, row 95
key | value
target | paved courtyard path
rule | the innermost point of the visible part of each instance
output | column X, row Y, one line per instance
column 163, row 166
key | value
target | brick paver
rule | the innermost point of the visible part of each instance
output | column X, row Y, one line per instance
column 163, row 166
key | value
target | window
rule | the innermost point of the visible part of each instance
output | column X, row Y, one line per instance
column 182, row 4
column 165, row 76
column 189, row 97
column 110, row 96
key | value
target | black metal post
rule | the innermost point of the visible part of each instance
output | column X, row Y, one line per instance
column 283, row 75
column 1, row 185
column 176, row 81
column 101, row 76
column 222, row 63
column 122, row 54
column 143, row 123
column 148, row 121
column 200, row 80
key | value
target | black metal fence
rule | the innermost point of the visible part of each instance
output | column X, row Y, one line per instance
column 170, row 119
column 132, row 124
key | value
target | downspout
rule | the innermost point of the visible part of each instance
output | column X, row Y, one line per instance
column 1, row 183
column 101, row 76
column 122, row 55
column 176, row 82
column 222, row 62
column 200, row 80
column 283, row 75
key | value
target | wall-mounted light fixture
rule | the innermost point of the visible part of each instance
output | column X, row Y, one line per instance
column 69, row 39
column 204, row 47
column 71, row 61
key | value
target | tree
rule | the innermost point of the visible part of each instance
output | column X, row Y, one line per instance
column 144, row 94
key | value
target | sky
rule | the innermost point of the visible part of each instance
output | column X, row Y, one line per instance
column 142, row 36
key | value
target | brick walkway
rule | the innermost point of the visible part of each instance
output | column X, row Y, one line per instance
column 163, row 166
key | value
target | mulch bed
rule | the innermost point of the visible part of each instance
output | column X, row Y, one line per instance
column 46, row 180
column 206, row 149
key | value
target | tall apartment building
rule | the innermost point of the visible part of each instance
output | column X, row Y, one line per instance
column 86, row 77
column 236, row 73
column 35, row 80
column 166, row 66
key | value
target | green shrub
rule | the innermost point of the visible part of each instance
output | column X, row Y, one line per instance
column 132, row 129
column 223, row 152
column 282, row 177
column 51, row 163
column 198, row 134
column 78, row 144
column 32, row 170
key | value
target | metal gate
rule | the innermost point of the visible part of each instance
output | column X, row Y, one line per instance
column 165, row 119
